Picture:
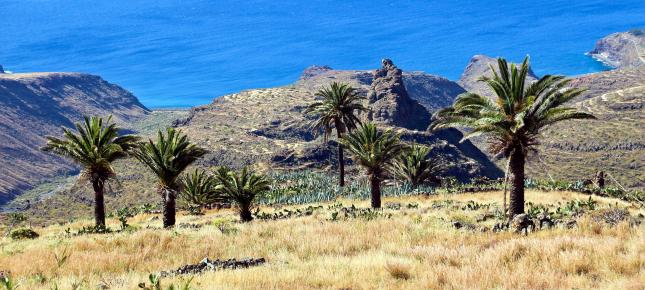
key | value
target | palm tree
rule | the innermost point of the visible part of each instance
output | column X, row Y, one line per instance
column 198, row 189
column 415, row 165
column 514, row 120
column 167, row 158
column 375, row 151
column 337, row 110
column 241, row 188
column 95, row 146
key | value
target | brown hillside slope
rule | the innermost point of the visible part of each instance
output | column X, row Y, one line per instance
column 37, row 104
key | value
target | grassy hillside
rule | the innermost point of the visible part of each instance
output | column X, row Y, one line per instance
column 412, row 244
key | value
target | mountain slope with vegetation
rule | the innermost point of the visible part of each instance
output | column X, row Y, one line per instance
column 268, row 126
column 37, row 104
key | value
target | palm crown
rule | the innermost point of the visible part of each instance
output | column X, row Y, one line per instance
column 199, row 188
column 96, row 145
column 518, row 114
column 169, row 156
column 242, row 188
column 337, row 108
column 372, row 148
column 415, row 166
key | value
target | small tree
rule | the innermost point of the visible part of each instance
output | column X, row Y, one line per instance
column 199, row 189
column 375, row 151
column 241, row 188
column 514, row 118
column 338, row 108
column 167, row 158
column 416, row 166
column 95, row 146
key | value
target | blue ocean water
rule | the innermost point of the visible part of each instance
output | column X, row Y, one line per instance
column 185, row 53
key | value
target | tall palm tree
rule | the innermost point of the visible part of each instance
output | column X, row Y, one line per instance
column 167, row 158
column 415, row 165
column 241, row 188
column 514, row 121
column 337, row 109
column 199, row 189
column 375, row 151
column 95, row 146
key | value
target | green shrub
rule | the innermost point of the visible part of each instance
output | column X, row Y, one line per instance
column 24, row 233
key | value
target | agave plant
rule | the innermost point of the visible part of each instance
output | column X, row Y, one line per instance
column 375, row 151
column 198, row 189
column 94, row 146
column 514, row 118
column 338, row 108
column 415, row 166
column 241, row 188
column 167, row 158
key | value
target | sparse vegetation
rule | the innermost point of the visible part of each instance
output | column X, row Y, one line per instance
column 418, row 242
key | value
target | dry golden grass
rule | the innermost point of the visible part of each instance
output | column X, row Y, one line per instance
column 415, row 249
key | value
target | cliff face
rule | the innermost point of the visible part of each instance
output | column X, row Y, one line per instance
column 389, row 102
column 38, row 104
column 621, row 50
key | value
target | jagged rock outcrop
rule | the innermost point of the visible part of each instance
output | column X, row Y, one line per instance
column 478, row 66
column 622, row 49
column 389, row 102
column 38, row 104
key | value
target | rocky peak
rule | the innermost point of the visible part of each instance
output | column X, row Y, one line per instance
column 478, row 66
column 621, row 50
column 390, row 103
column 313, row 71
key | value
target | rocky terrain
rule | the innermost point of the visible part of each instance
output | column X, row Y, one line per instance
column 267, row 127
column 622, row 49
column 34, row 105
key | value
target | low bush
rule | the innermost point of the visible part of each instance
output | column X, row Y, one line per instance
column 24, row 233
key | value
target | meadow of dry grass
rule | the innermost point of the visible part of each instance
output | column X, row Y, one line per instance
column 417, row 248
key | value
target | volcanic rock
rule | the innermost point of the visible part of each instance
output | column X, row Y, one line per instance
column 389, row 101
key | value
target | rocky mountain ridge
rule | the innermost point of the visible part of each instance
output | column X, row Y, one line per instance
column 268, row 126
column 622, row 49
column 34, row 105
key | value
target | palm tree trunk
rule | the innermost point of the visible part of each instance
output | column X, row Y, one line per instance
column 169, row 209
column 340, row 129
column 99, row 203
column 375, row 182
column 516, row 178
column 245, row 214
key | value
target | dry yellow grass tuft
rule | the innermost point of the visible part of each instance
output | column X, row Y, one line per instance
column 417, row 248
